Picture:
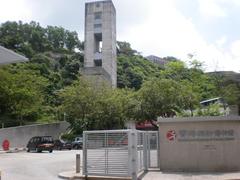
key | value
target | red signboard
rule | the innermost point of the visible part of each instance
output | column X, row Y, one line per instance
column 144, row 125
column 171, row 135
column 5, row 145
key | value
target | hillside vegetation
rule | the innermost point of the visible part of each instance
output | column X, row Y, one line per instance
column 49, row 87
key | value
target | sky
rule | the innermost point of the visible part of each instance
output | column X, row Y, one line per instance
column 207, row 29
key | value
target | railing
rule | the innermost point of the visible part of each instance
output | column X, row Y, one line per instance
column 106, row 153
column 121, row 153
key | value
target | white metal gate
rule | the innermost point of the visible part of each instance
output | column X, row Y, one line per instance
column 122, row 153
column 152, row 145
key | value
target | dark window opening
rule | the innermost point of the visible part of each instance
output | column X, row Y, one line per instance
column 98, row 5
column 98, row 62
column 98, row 15
column 97, row 25
column 98, row 43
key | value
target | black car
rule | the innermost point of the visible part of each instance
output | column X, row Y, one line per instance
column 40, row 143
column 60, row 144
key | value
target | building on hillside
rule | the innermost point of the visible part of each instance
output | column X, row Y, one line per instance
column 161, row 61
column 100, row 42
column 224, row 107
column 8, row 56
column 228, row 75
column 157, row 60
column 218, row 100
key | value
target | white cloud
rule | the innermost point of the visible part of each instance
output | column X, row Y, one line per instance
column 220, row 42
column 167, row 32
column 14, row 10
column 211, row 8
column 235, row 48
column 152, row 27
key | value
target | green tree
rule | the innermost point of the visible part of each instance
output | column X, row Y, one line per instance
column 160, row 98
column 190, row 99
column 23, row 94
column 134, row 70
column 211, row 110
column 125, row 49
column 91, row 108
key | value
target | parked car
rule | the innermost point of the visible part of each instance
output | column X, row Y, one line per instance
column 77, row 143
column 40, row 143
column 60, row 144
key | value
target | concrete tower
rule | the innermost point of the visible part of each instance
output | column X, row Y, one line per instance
column 100, row 41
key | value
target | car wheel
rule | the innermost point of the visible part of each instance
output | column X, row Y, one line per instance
column 50, row 151
column 28, row 150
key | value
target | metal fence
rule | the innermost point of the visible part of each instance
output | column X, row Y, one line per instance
column 152, row 146
column 122, row 153
column 141, row 151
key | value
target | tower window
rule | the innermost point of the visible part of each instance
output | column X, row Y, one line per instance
column 98, row 43
column 98, row 15
column 98, row 62
column 98, row 5
column 97, row 25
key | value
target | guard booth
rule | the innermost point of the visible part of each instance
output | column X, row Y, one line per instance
column 200, row 144
column 119, row 153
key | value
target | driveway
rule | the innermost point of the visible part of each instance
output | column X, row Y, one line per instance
column 47, row 166
column 36, row 166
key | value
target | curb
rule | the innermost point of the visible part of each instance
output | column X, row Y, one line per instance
column 71, row 175
column 15, row 150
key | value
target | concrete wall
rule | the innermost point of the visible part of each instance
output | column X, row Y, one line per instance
column 234, row 110
column 200, row 144
column 19, row 136
column 97, row 75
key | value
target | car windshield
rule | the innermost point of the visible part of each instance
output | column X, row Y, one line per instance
column 79, row 138
column 47, row 140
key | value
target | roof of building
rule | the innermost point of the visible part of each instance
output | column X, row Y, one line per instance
column 210, row 100
column 156, row 59
column 8, row 56
column 198, row 119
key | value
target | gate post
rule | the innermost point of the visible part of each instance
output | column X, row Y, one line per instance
column 84, row 150
column 145, row 158
column 132, row 145
column 158, row 149
column 78, row 163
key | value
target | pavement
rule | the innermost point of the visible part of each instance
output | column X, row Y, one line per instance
column 36, row 166
column 156, row 175
column 52, row 166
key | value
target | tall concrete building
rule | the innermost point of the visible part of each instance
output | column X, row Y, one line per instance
column 100, row 41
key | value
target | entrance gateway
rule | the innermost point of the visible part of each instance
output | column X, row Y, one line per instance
column 197, row 144
column 119, row 153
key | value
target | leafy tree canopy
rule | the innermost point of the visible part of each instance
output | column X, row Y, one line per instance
column 51, row 83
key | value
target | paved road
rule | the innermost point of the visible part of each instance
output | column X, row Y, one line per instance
column 36, row 166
